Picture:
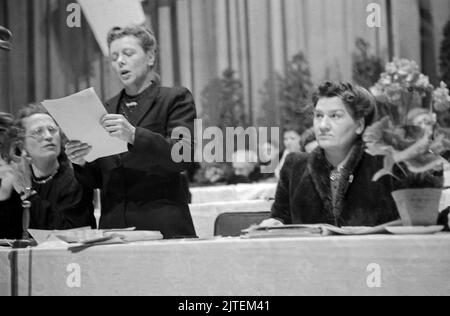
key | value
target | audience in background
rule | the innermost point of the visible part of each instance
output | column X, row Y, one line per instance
column 308, row 142
column 269, row 157
column 245, row 167
column 291, row 141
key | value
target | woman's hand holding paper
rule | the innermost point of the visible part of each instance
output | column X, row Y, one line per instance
column 76, row 151
column 118, row 126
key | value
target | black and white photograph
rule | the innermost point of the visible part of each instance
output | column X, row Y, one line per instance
column 224, row 153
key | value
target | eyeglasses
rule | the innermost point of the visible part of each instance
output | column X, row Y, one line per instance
column 39, row 133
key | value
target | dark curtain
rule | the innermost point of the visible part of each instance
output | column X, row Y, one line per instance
column 429, row 62
column 49, row 59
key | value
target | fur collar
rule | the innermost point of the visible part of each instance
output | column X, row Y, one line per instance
column 319, row 169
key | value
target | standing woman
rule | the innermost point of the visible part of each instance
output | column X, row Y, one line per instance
column 142, row 188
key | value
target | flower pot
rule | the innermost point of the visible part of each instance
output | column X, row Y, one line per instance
column 418, row 207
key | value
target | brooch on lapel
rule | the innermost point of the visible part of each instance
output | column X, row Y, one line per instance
column 350, row 179
column 131, row 105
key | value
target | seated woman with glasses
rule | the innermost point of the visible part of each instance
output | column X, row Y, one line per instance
column 39, row 176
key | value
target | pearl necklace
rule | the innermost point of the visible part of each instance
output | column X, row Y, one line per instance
column 46, row 179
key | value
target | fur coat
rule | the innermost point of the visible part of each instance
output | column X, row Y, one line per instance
column 304, row 193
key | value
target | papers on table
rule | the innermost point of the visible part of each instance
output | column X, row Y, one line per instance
column 103, row 15
column 6, row 243
column 85, row 237
column 79, row 117
column 315, row 230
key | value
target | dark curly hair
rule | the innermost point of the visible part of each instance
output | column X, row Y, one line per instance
column 358, row 101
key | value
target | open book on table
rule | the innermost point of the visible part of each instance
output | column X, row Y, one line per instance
column 314, row 230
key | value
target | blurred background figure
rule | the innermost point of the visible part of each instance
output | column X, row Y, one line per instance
column 213, row 174
column 308, row 142
column 291, row 142
column 268, row 152
column 245, row 167
column 270, row 157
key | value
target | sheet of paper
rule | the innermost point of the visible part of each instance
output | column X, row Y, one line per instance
column 103, row 15
column 299, row 230
column 79, row 117
column 6, row 243
column 40, row 236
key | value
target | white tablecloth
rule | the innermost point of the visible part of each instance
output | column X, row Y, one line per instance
column 239, row 192
column 364, row 265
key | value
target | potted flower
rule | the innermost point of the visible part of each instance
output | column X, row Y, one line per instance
column 410, row 140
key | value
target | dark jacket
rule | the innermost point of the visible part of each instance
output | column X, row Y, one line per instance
column 304, row 195
column 143, row 188
column 62, row 203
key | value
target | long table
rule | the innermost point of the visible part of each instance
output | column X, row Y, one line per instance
column 231, row 193
column 364, row 265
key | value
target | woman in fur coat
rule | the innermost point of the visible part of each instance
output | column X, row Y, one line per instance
column 333, row 185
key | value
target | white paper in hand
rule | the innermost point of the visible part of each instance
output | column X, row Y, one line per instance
column 79, row 117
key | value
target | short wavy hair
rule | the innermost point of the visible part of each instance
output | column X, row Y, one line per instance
column 145, row 36
column 17, row 132
column 358, row 101
column 27, row 111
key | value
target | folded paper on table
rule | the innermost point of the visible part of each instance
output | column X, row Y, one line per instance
column 133, row 236
column 314, row 230
column 41, row 236
column 6, row 243
column 88, row 236
column 79, row 117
